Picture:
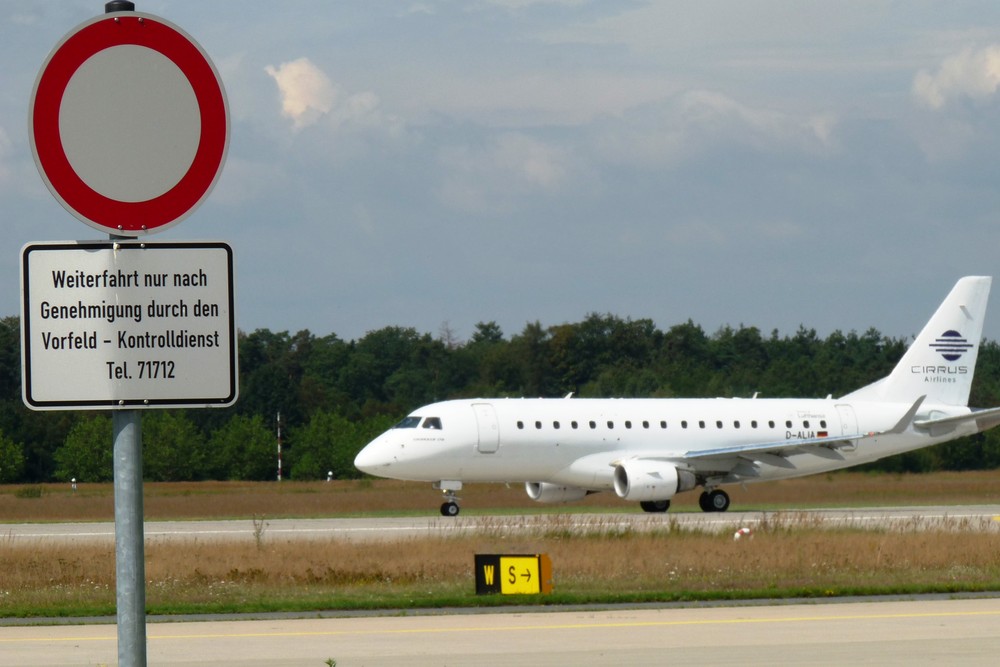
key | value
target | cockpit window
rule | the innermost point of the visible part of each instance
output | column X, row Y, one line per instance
column 409, row 422
column 433, row 422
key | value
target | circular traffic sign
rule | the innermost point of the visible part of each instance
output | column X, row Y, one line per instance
column 129, row 123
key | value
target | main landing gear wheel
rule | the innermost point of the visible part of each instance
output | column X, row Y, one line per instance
column 714, row 501
column 655, row 505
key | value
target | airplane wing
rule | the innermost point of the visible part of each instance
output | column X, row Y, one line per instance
column 826, row 446
column 733, row 463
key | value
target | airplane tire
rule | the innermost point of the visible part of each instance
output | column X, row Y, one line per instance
column 449, row 509
column 703, row 502
column 714, row 501
column 655, row 505
column 718, row 500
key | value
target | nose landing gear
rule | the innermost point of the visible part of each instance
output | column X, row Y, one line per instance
column 450, row 505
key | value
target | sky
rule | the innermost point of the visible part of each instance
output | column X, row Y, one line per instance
column 425, row 164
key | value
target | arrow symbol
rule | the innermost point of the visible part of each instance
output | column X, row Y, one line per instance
column 527, row 575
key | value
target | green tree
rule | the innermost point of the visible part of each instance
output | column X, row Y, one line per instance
column 88, row 452
column 173, row 448
column 11, row 460
column 329, row 443
column 531, row 350
column 244, row 448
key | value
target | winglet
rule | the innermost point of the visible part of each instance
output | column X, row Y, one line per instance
column 907, row 419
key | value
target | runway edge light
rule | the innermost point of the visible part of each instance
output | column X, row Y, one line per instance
column 513, row 574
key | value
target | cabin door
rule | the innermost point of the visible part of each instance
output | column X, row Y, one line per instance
column 489, row 428
column 848, row 425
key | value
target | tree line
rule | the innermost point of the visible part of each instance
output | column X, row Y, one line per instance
column 333, row 395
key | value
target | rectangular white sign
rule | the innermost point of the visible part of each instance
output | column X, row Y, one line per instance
column 108, row 325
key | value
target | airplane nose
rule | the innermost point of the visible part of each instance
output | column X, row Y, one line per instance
column 370, row 459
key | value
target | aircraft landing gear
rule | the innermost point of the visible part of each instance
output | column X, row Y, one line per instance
column 655, row 505
column 716, row 500
column 450, row 505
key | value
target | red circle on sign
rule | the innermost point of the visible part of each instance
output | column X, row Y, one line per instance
column 130, row 218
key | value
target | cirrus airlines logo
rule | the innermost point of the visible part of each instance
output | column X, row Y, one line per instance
column 951, row 345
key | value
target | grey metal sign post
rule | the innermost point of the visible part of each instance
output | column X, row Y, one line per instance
column 130, row 555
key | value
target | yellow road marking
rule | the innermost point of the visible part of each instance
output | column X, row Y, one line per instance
column 517, row 628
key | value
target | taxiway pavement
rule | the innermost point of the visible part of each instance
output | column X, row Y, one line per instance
column 917, row 632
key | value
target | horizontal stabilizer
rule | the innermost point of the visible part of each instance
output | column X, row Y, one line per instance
column 984, row 419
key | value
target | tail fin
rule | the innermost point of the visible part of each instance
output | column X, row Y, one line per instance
column 942, row 360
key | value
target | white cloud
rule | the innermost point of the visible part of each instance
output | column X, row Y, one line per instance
column 716, row 113
column 970, row 73
column 512, row 165
column 310, row 97
column 690, row 124
column 306, row 92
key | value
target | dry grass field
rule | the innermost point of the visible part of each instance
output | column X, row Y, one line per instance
column 789, row 554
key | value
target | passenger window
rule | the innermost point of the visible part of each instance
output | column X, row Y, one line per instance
column 663, row 424
column 433, row 422
column 628, row 424
column 788, row 424
column 770, row 424
column 538, row 425
column 574, row 424
column 718, row 424
column 736, row 424
column 555, row 425
column 520, row 425
column 753, row 424
column 805, row 424
column 822, row 423
column 611, row 424
column 701, row 424
column 593, row 424
column 684, row 424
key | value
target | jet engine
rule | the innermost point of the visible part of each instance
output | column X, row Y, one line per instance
column 644, row 480
column 545, row 492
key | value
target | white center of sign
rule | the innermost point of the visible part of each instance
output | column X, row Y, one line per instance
column 128, row 135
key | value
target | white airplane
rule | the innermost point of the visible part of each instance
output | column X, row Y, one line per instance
column 648, row 450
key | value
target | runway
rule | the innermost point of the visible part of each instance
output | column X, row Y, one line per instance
column 963, row 632
column 967, row 517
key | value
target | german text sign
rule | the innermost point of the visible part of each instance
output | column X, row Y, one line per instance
column 108, row 325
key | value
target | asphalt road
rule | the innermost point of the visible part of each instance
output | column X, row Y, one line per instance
column 918, row 632
column 976, row 517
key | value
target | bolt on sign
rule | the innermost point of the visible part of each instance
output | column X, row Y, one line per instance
column 513, row 574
